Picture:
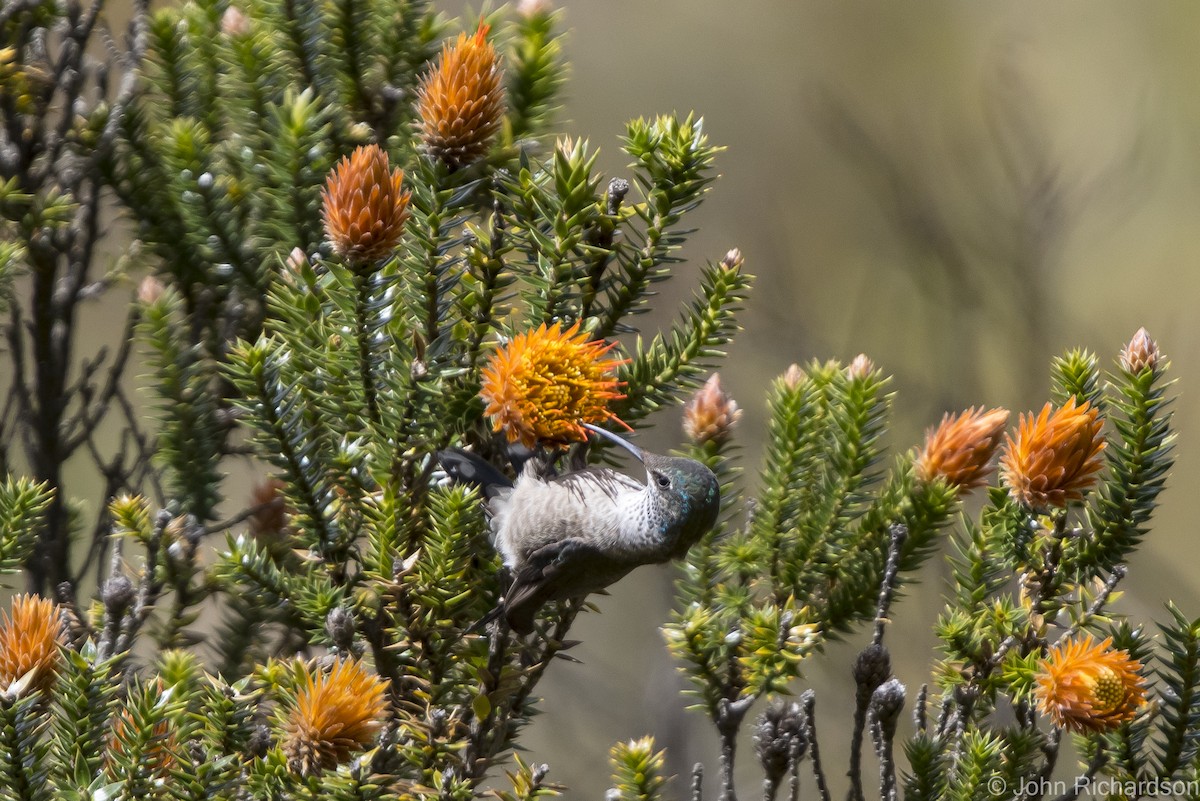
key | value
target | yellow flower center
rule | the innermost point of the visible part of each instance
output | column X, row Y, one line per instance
column 1108, row 691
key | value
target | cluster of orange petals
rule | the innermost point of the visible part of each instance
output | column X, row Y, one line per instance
column 960, row 450
column 365, row 206
column 29, row 642
column 1055, row 455
column 1084, row 686
column 335, row 714
column 543, row 385
column 461, row 101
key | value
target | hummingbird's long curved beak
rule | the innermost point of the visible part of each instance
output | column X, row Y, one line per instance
column 629, row 446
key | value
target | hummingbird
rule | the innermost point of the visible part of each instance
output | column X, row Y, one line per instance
column 573, row 534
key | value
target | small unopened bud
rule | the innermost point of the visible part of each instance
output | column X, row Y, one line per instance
column 733, row 260
column 779, row 738
column 234, row 22
column 711, row 414
column 793, row 376
column 534, row 8
column 339, row 625
column 117, row 593
column 860, row 368
column 150, row 290
column 1140, row 353
column 297, row 260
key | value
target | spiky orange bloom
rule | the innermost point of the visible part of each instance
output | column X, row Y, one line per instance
column 544, row 384
column 960, row 449
column 461, row 101
column 711, row 414
column 335, row 714
column 364, row 205
column 1088, row 687
column 29, row 641
column 1055, row 456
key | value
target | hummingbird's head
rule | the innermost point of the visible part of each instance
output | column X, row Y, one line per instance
column 687, row 494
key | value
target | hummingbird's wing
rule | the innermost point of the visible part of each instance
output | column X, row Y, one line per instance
column 565, row 569
column 594, row 483
column 468, row 468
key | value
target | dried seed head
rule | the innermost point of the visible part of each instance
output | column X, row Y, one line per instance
column 364, row 206
column 1140, row 353
column 461, row 101
column 339, row 625
column 1055, row 455
column 711, row 414
column 872, row 667
column 960, row 449
column 779, row 737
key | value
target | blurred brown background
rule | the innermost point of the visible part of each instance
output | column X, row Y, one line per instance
column 961, row 191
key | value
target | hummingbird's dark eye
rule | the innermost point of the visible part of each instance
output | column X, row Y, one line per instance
column 662, row 481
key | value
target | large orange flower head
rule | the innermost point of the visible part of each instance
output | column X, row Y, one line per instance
column 1055, row 455
column 364, row 206
column 545, row 384
column 461, row 101
column 334, row 715
column 1084, row 686
column 960, row 450
column 29, row 642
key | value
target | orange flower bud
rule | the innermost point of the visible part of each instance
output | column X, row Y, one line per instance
column 364, row 206
column 334, row 715
column 960, row 449
column 461, row 101
column 1055, row 456
column 29, row 642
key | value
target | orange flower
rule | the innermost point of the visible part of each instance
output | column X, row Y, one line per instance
column 29, row 642
column 1085, row 687
column 334, row 715
column 461, row 100
column 364, row 206
column 711, row 413
column 544, row 384
column 1054, row 456
column 960, row 450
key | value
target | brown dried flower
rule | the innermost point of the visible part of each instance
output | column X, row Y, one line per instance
column 711, row 414
column 1055, row 455
column 364, row 206
column 29, row 642
column 960, row 449
column 334, row 715
column 461, row 101
column 1087, row 687
column 1141, row 352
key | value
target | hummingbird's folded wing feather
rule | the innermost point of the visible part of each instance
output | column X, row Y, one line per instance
column 467, row 468
column 568, row 568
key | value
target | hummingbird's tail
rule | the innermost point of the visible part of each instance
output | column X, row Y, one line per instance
column 467, row 468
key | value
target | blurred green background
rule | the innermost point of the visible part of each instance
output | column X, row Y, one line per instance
column 959, row 190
